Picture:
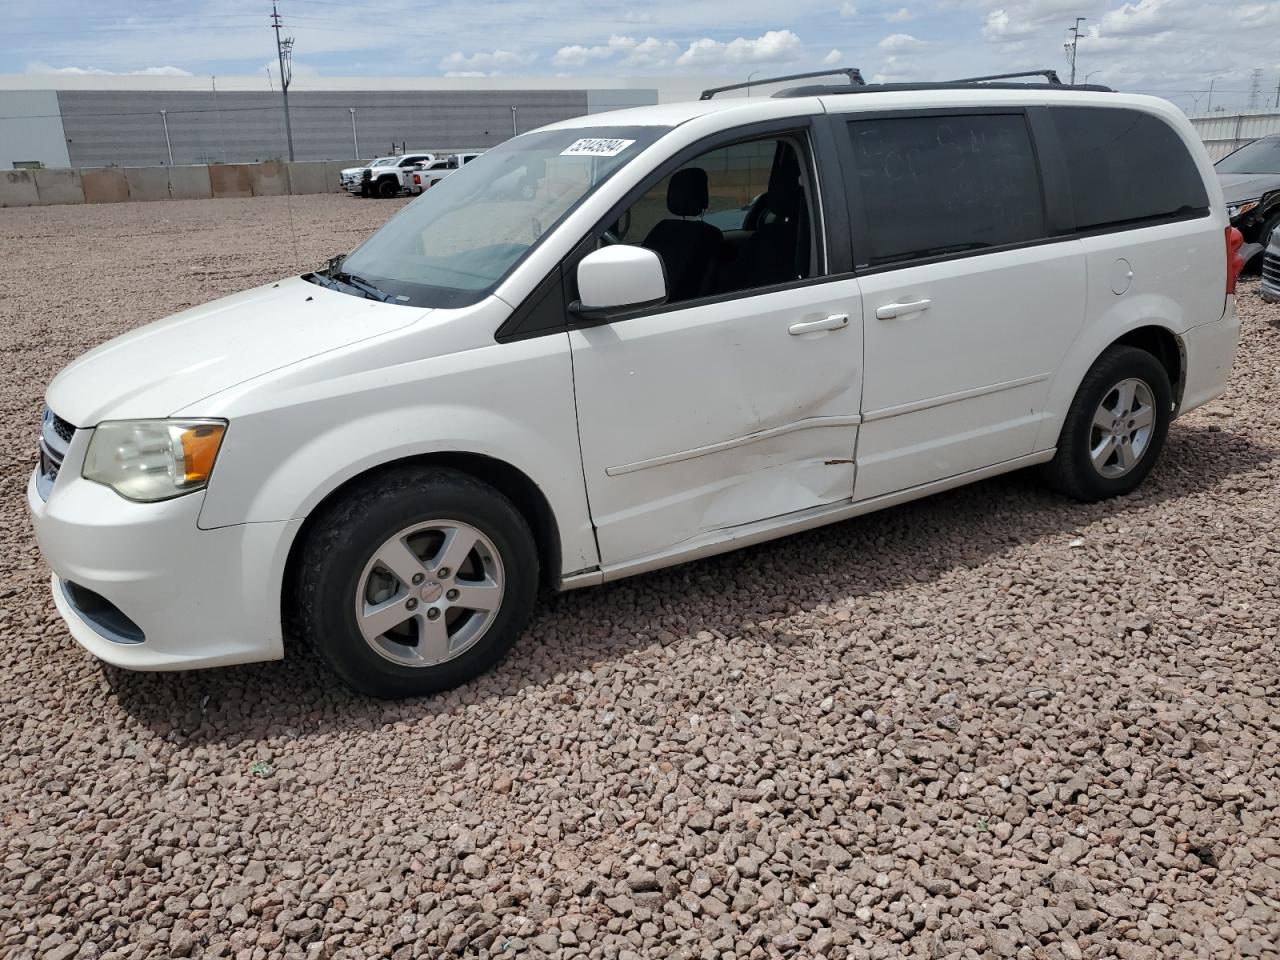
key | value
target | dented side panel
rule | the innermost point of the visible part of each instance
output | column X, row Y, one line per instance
column 714, row 415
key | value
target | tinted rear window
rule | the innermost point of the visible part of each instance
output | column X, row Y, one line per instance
column 1126, row 167
column 935, row 185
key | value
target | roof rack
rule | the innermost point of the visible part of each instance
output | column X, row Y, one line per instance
column 996, row 81
column 1050, row 76
column 853, row 74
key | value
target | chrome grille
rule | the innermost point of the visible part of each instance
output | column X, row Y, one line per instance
column 55, row 438
column 1271, row 272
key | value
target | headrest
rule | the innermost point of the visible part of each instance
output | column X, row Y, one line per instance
column 784, row 196
column 687, row 192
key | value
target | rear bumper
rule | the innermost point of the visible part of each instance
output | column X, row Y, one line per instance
column 1210, row 350
column 199, row 598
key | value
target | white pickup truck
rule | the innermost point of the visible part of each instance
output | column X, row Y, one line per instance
column 389, row 176
column 435, row 171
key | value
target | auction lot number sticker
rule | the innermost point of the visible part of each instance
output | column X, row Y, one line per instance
column 596, row 147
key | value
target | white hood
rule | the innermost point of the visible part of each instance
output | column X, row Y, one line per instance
column 173, row 363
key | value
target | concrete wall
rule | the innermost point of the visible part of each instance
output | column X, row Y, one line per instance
column 25, row 188
column 18, row 188
column 104, row 185
column 31, row 129
column 190, row 183
column 105, row 127
column 59, row 186
column 147, row 183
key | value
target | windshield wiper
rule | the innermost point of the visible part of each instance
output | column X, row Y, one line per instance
column 336, row 276
column 361, row 284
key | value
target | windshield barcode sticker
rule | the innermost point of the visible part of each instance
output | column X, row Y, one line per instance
column 596, row 147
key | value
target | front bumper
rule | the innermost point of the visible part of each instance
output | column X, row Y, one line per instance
column 201, row 598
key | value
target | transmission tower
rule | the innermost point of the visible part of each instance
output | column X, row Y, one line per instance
column 1255, row 90
column 284, row 50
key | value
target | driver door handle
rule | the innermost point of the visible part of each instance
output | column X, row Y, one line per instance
column 837, row 321
column 891, row 310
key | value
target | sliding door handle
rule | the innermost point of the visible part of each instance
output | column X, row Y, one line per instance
column 891, row 310
column 836, row 321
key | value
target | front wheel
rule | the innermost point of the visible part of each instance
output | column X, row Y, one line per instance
column 417, row 581
column 1115, row 428
column 388, row 188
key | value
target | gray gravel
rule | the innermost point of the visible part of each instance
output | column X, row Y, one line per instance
column 991, row 724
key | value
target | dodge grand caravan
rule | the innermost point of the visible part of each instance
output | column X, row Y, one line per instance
column 629, row 340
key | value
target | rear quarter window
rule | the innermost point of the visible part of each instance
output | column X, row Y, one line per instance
column 940, row 184
column 1126, row 167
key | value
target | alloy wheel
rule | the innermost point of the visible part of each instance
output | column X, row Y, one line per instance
column 1122, row 428
column 429, row 593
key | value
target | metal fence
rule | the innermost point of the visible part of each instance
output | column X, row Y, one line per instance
column 1225, row 132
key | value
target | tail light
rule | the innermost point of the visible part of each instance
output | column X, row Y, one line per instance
column 417, row 180
column 1235, row 262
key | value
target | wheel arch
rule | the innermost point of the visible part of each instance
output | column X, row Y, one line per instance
column 1163, row 344
column 508, row 480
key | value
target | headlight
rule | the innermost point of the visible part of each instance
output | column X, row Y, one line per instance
column 152, row 460
column 1235, row 210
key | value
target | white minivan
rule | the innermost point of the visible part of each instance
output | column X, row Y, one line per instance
column 631, row 340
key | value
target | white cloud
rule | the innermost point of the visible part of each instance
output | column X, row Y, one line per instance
column 900, row 43
column 901, row 15
column 166, row 71
column 834, row 57
column 776, row 46
column 848, row 9
column 483, row 63
column 649, row 52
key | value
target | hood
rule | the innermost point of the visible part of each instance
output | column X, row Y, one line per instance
column 1247, row 186
column 173, row 363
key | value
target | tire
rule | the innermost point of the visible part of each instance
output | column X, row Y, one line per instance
column 388, row 188
column 340, row 577
column 1074, row 470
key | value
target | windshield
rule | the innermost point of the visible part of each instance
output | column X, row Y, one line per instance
column 453, row 244
column 1261, row 156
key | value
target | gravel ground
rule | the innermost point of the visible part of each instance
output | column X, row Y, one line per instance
column 991, row 724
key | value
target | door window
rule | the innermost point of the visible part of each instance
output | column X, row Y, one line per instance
column 934, row 185
column 732, row 219
column 1125, row 167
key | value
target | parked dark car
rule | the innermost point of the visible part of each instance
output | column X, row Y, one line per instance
column 1250, row 180
column 1271, row 270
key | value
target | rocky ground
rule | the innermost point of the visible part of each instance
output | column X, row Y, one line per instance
column 991, row 724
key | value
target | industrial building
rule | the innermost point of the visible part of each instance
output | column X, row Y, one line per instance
column 95, row 121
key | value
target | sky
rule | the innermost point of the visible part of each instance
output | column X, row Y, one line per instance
column 1172, row 48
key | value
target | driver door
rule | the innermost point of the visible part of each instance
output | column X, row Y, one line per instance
column 738, row 402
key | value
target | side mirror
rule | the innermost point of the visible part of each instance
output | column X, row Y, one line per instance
column 617, row 278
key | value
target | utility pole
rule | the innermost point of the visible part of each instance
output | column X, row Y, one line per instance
column 284, row 50
column 1071, row 47
column 1208, row 107
column 355, row 138
column 1278, row 94
column 164, row 118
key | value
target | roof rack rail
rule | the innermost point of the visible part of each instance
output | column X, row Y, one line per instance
column 1051, row 76
column 852, row 73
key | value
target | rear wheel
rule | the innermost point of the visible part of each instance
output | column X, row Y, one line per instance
column 417, row 581
column 1115, row 428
